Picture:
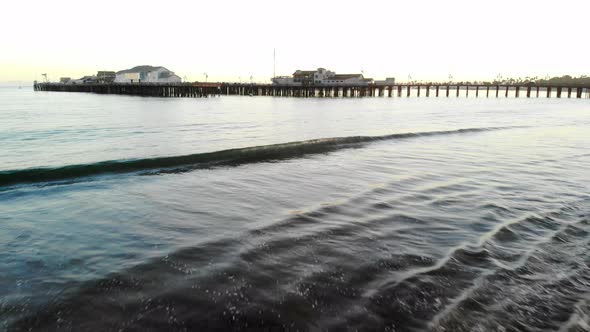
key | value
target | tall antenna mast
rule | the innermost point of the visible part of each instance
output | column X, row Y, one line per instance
column 274, row 63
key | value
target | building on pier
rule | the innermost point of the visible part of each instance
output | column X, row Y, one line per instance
column 102, row 77
column 105, row 76
column 321, row 76
column 147, row 74
column 305, row 77
column 90, row 79
column 284, row 80
column 387, row 81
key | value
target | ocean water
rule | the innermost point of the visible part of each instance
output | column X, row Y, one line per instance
column 126, row 213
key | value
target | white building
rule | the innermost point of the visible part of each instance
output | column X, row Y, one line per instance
column 147, row 74
column 347, row 79
column 321, row 76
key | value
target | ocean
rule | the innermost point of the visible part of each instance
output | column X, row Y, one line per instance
column 121, row 213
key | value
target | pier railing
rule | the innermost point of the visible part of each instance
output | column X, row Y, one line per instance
column 200, row 89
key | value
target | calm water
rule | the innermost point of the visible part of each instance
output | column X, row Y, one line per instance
column 420, row 214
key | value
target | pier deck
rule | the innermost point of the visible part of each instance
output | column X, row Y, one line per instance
column 196, row 90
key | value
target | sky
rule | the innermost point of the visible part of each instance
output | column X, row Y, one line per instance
column 232, row 40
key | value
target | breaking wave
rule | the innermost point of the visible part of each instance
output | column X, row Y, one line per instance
column 223, row 157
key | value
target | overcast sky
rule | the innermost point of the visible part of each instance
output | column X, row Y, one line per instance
column 229, row 40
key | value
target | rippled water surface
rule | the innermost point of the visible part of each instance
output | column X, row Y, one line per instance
column 135, row 214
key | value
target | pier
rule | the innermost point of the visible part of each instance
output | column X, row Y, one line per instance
column 178, row 90
column 437, row 90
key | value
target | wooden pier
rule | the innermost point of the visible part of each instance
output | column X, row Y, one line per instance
column 196, row 90
column 186, row 90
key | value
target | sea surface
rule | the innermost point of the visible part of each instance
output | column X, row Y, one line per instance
column 122, row 213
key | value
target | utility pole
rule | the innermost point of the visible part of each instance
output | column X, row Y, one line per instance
column 274, row 63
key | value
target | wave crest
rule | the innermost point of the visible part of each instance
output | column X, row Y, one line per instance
column 223, row 157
